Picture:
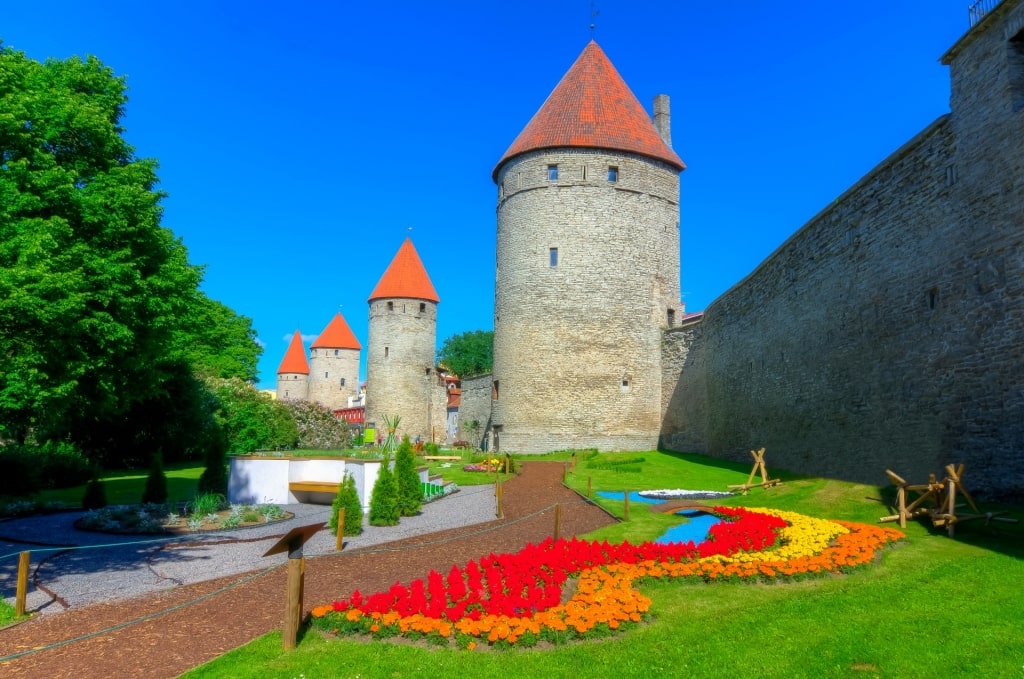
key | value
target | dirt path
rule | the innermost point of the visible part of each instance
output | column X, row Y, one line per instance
column 165, row 634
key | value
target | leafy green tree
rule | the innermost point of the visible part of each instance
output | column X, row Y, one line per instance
column 250, row 420
column 384, row 498
column 469, row 353
column 156, row 483
column 102, row 323
column 410, row 492
column 347, row 497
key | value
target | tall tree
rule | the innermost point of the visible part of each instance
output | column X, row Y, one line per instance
column 468, row 353
column 100, row 311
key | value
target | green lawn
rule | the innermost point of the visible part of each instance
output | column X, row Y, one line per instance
column 126, row 487
column 933, row 606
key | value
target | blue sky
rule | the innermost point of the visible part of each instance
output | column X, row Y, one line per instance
column 298, row 144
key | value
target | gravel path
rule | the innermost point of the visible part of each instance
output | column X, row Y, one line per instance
column 70, row 578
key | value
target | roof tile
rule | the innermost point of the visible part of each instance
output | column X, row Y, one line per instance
column 592, row 107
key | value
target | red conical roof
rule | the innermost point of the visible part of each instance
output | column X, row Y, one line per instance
column 405, row 277
column 592, row 107
column 336, row 335
column 295, row 358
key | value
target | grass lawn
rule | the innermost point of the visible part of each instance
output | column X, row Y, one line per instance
column 126, row 487
column 933, row 606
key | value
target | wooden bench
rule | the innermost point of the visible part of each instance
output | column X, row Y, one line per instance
column 442, row 458
column 313, row 487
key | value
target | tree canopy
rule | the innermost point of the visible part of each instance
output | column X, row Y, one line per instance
column 468, row 353
column 100, row 309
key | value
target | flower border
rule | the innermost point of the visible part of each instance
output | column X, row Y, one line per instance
column 516, row 599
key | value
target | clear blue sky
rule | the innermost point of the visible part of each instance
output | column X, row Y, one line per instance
column 299, row 141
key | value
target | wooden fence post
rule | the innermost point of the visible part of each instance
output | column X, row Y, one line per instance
column 590, row 488
column 21, row 591
column 339, row 543
column 558, row 521
column 625, row 506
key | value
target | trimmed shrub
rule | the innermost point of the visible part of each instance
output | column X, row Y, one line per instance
column 156, row 483
column 347, row 497
column 384, row 499
column 410, row 492
column 95, row 496
column 214, row 478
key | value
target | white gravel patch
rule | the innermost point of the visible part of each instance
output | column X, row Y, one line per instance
column 118, row 570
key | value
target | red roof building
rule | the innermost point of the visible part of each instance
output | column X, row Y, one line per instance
column 592, row 107
column 405, row 277
column 295, row 358
column 337, row 335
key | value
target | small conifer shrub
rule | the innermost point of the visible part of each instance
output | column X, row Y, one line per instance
column 347, row 497
column 410, row 492
column 156, row 483
column 384, row 499
column 95, row 496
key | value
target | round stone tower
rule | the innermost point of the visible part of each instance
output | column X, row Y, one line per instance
column 587, row 268
column 400, row 374
column 334, row 365
column 293, row 373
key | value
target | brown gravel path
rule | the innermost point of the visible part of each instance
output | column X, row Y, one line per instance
column 216, row 616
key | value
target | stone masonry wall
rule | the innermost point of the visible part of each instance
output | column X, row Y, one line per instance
column 400, row 373
column 292, row 387
column 475, row 406
column 888, row 331
column 577, row 344
column 327, row 368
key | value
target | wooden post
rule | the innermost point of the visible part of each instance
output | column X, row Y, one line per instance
column 293, row 607
column 499, row 492
column 558, row 521
column 625, row 505
column 590, row 488
column 22, row 587
column 340, row 542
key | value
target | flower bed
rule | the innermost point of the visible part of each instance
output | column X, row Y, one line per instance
column 518, row 598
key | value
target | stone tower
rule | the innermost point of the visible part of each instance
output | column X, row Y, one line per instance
column 587, row 268
column 400, row 374
column 293, row 373
column 334, row 365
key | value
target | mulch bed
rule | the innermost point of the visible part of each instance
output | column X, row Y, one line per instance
column 212, row 620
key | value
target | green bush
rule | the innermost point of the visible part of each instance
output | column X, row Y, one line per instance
column 384, row 499
column 250, row 420
column 317, row 427
column 214, row 478
column 347, row 497
column 410, row 492
column 431, row 448
column 95, row 496
column 28, row 468
column 156, row 483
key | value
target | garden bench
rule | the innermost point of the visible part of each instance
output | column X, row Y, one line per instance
column 442, row 458
column 313, row 487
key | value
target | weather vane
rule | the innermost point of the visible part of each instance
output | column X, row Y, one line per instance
column 593, row 13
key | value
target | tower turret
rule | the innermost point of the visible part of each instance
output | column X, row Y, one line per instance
column 587, row 268
column 334, row 365
column 400, row 375
column 293, row 373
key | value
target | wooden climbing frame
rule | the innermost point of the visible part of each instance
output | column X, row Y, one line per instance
column 937, row 500
column 759, row 468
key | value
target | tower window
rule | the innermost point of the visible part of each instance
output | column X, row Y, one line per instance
column 624, row 383
column 337, row 352
column 553, row 257
column 1016, row 70
column 423, row 308
column 671, row 317
column 343, row 381
column 326, row 375
column 387, row 351
column 391, row 306
column 494, row 390
column 613, row 174
column 584, row 173
column 552, row 172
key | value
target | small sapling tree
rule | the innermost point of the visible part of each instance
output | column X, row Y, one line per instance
column 410, row 493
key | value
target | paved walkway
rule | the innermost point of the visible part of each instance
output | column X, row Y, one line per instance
column 169, row 631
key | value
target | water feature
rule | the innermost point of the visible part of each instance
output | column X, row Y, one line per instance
column 695, row 527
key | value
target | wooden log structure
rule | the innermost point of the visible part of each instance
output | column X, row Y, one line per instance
column 759, row 468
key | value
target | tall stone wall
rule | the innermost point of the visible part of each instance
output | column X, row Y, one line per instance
column 333, row 376
column 577, row 340
column 887, row 332
column 475, row 407
column 400, row 375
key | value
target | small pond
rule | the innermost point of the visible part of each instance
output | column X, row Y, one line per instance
column 695, row 527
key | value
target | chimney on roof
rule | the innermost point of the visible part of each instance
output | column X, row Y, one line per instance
column 662, row 119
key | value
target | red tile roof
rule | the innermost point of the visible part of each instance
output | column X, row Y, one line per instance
column 405, row 277
column 295, row 358
column 592, row 107
column 337, row 335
